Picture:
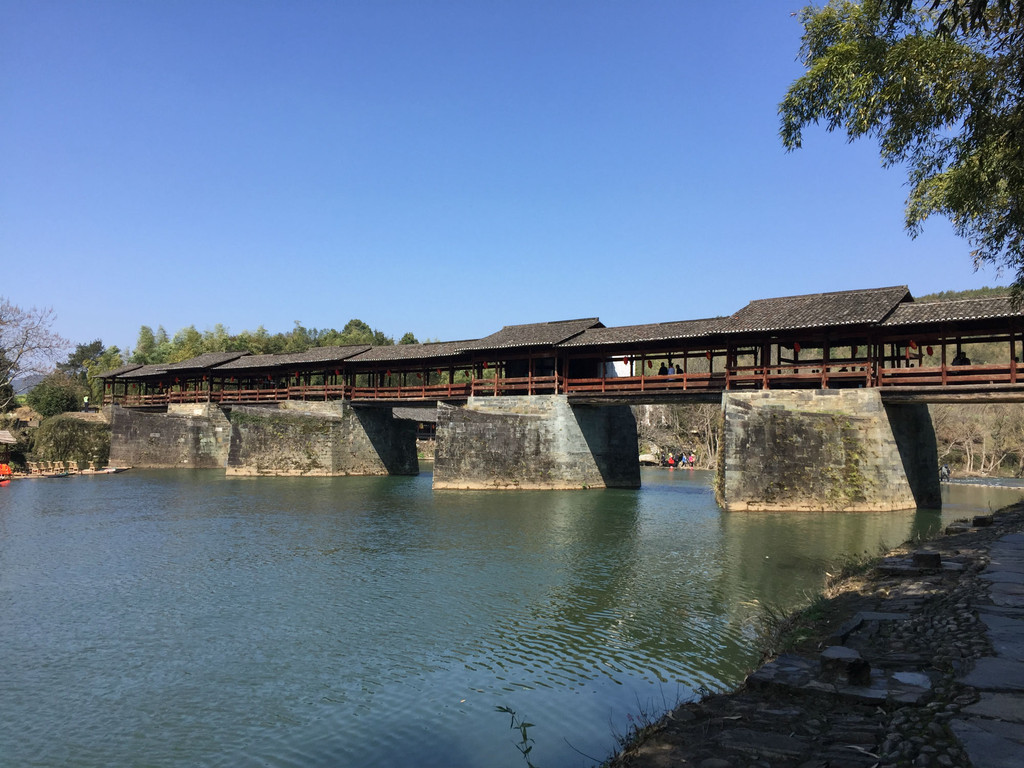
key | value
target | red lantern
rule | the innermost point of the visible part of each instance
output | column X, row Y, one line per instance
column 337, row 372
column 796, row 346
column 929, row 350
column 389, row 373
column 625, row 361
column 438, row 371
column 913, row 344
column 708, row 354
column 485, row 365
column 650, row 364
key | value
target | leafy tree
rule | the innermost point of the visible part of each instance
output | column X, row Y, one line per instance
column 57, row 393
column 939, row 85
column 188, row 343
column 356, row 332
column 300, row 339
column 65, row 438
column 408, row 338
column 27, row 345
column 217, row 340
column 107, row 360
column 77, row 364
column 145, row 346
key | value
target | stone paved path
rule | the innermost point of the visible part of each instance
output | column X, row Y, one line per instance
column 992, row 729
column 921, row 664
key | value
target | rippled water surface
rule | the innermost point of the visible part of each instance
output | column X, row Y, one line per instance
column 185, row 618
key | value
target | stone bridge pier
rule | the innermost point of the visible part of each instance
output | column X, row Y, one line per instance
column 290, row 438
column 825, row 450
column 535, row 442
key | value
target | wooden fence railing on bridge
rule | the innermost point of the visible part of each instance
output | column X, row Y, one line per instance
column 776, row 376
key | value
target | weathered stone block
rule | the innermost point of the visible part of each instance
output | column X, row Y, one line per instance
column 320, row 439
column 193, row 437
column 841, row 663
column 538, row 442
column 795, row 450
column 924, row 559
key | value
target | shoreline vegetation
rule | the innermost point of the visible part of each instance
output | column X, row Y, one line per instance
column 894, row 612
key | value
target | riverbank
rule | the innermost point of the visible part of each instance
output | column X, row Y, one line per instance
column 918, row 661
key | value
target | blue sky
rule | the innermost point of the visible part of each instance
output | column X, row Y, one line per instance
column 444, row 167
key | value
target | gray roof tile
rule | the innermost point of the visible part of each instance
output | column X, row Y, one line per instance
column 428, row 351
column 535, row 334
column 326, row 355
column 930, row 312
column 651, row 332
column 819, row 310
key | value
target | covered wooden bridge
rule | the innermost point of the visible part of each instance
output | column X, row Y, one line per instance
column 875, row 338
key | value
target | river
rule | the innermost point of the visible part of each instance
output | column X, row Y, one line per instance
column 182, row 618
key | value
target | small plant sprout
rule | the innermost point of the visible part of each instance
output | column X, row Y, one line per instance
column 525, row 745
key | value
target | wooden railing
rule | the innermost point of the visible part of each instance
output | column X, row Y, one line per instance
column 950, row 375
column 633, row 384
column 456, row 391
column 811, row 375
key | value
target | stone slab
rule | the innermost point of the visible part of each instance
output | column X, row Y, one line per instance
column 1002, row 626
column 990, row 743
column 1004, row 577
column 1010, row 601
column 916, row 679
column 998, row 706
column 996, row 674
column 763, row 743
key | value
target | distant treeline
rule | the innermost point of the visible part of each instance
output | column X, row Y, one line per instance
column 187, row 343
column 974, row 293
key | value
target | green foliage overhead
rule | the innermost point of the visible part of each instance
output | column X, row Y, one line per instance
column 57, row 393
column 939, row 85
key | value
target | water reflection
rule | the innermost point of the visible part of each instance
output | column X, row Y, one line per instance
column 195, row 619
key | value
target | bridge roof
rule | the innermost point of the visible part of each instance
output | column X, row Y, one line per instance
column 819, row 310
column 944, row 312
column 535, row 334
column 624, row 335
column 314, row 355
column 203, row 361
column 118, row 371
column 427, row 351
column 139, row 372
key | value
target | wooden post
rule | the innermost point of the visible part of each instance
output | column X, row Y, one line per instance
column 945, row 378
column 1013, row 358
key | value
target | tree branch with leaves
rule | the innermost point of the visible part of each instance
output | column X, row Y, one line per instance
column 940, row 85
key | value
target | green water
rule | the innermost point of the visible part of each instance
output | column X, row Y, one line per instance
column 188, row 619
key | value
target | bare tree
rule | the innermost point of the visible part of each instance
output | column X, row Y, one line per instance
column 27, row 345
